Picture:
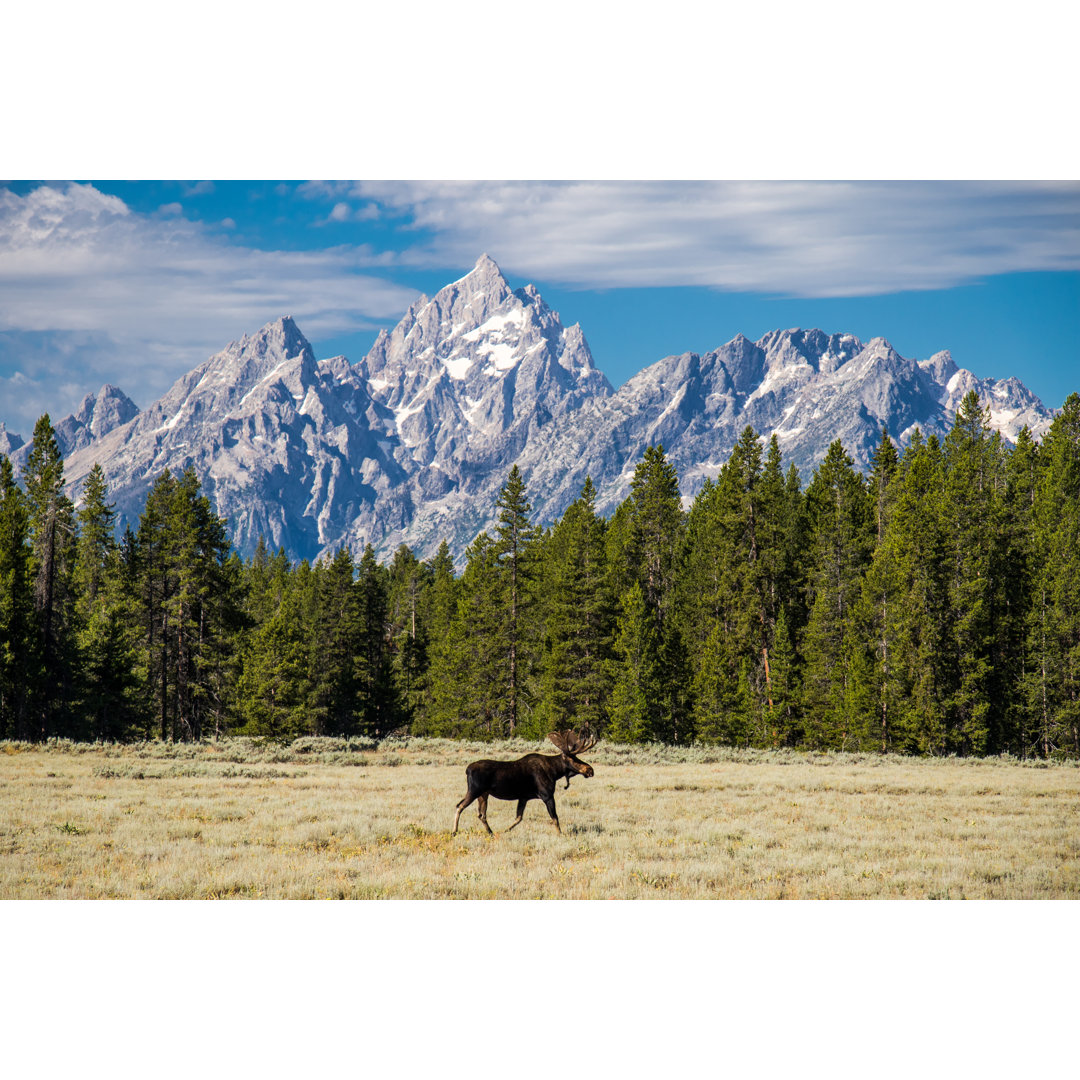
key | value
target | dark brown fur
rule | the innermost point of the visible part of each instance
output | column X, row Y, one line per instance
column 532, row 777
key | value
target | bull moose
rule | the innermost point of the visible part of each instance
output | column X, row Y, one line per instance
column 532, row 777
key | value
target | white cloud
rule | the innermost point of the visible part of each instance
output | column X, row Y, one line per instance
column 817, row 239
column 140, row 299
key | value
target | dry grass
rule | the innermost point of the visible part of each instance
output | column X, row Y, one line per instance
column 327, row 818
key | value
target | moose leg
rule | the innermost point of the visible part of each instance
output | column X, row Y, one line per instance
column 482, row 813
column 461, row 806
column 549, row 802
column 521, row 810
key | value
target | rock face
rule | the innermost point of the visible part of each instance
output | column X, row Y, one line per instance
column 470, row 380
column 97, row 415
column 286, row 447
column 9, row 441
column 413, row 443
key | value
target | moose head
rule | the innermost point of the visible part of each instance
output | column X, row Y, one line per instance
column 572, row 743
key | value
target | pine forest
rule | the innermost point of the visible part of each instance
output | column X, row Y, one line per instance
column 931, row 607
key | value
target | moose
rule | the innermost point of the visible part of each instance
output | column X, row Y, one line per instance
column 532, row 777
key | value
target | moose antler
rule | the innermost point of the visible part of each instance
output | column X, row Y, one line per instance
column 573, row 742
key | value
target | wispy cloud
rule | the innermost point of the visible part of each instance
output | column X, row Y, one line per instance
column 146, row 297
column 789, row 238
column 199, row 187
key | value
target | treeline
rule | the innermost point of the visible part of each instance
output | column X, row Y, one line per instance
column 932, row 607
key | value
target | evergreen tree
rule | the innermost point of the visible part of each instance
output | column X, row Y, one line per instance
column 338, row 633
column 105, row 621
column 437, row 714
column 784, row 713
column 970, row 460
column 513, row 554
column 1053, row 679
column 738, row 574
column 637, row 698
column 188, row 594
column 620, row 556
column 52, row 529
column 468, row 671
column 203, row 608
column 921, row 633
column 409, row 583
column 718, row 716
column 579, row 622
column 156, row 583
column 18, row 637
column 277, row 680
column 657, row 530
column 840, row 519
column 883, row 470
column 380, row 706
column 1014, row 593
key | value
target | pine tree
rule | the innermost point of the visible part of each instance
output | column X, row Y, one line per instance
column 338, row 631
column 18, row 637
column 155, row 584
column 513, row 555
column 1015, row 590
column 579, row 621
column 469, row 693
column 277, row 681
column 716, row 705
column 380, row 706
column 1053, row 680
column 840, row 519
column 739, row 572
column 187, row 588
column 922, row 633
column 620, row 556
column 409, row 583
column 204, row 608
column 883, row 469
column 784, row 712
column 636, row 709
column 104, row 619
column 970, row 461
column 53, row 542
column 438, row 714
column 657, row 530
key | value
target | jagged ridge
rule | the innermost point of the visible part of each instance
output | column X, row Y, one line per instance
column 412, row 443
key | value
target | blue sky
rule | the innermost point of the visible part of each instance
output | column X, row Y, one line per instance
column 134, row 283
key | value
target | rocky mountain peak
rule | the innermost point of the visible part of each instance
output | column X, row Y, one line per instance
column 813, row 348
column 940, row 367
column 9, row 441
column 475, row 361
column 97, row 415
column 471, row 300
column 277, row 340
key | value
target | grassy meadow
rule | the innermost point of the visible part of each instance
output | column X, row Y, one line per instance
column 326, row 818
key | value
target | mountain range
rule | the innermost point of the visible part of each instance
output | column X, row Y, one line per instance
column 413, row 442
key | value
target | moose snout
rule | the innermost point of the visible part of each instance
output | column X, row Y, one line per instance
column 588, row 771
